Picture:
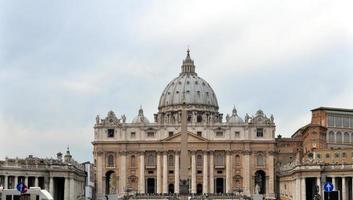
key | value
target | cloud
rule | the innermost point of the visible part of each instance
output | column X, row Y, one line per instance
column 61, row 63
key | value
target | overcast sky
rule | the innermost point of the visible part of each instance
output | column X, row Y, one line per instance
column 64, row 62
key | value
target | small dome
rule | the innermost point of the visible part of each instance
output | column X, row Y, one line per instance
column 140, row 118
column 234, row 118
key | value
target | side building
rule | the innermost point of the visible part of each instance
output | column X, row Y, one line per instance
column 63, row 177
column 320, row 151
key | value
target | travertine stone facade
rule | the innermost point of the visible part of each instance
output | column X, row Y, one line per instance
column 218, row 156
column 64, row 178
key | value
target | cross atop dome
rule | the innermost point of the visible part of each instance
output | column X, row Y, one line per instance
column 188, row 64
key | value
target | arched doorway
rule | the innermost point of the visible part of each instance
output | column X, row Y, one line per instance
column 151, row 186
column 260, row 182
column 110, row 182
column 219, row 185
column 199, row 189
column 171, row 188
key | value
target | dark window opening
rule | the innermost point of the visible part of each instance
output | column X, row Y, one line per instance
column 259, row 132
column 110, row 133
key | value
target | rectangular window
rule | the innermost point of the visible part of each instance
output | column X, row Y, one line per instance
column 199, row 133
column 331, row 121
column 110, row 133
column 237, row 134
column 346, row 122
column 219, row 134
column 171, row 172
column 338, row 121
column 259, row 132
column 133, row 135
column 170, row 133
column 343, row 154
column 150, row 134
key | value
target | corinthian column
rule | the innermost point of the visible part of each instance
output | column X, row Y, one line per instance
column 159, row 172
column 211, row 173
column 177, row 177
column 142, row 173
column 205, row 174
column 246, row 173
column 193, row 172
column 122, row 172
column 165, row 172
column 228, row 173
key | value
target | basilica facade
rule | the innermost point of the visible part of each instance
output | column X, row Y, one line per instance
column 189, row 147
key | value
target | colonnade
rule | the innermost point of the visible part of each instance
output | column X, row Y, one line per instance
column 69, row 184
column 14, row 180
column 346, row 188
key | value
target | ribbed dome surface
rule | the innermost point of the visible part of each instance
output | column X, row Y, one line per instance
column 189, row 89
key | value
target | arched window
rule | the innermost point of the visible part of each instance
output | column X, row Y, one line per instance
column 133, row 161
column 199, row 160
column 237, row 160
column 346, row 138
column 171, row 160
column 110, row 161
column 339, row 137
column 331, row 137
column 260, row 160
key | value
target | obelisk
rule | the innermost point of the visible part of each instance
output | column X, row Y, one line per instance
column 184, row 156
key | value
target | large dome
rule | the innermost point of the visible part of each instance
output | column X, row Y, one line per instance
column 188, row 89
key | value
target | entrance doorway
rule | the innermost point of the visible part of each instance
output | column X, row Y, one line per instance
column 151, row 186
column 199, row 189
column 219, row 185
column 171, row 188
column 260, row 182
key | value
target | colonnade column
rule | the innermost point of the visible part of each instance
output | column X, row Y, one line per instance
column 211, row 173
column 15, row 181
column 193, row 172
column 297, row 188
column 205, row 174
column 142, row 174
column 72, row 189
column 334, row 183
column 66, row 189
column 303, row 188
column 26, row 181
column 122, row 175
column 36, row 181
column 344, row 192
column 51, row 186
column 228, row 172
column 318, row 183
column 177, row 178
column 165, row 172
column 6, row 182
column 159, row 172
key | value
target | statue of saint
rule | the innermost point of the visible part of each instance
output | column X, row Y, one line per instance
column 97, row 119
column 123, row 117
column 257, row 189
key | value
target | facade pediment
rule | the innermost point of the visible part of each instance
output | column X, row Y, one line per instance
column 191, row 138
